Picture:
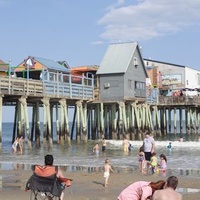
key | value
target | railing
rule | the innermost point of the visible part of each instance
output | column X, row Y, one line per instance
column 179, row 100
column 62, row 88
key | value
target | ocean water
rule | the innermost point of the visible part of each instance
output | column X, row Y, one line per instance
column 183, row 159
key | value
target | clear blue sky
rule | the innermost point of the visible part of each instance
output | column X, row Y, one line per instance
column 79, row 31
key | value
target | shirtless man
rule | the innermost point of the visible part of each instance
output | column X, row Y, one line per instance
column 169, row 191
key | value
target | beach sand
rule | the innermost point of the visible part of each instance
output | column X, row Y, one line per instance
column 87, row 186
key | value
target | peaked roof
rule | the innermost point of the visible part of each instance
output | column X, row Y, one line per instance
column 117, row 58
column 3, row 66
column 51, row 64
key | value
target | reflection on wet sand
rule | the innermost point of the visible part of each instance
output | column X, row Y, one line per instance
column 71, row 168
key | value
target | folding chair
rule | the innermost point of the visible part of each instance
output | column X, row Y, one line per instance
column 44, row 183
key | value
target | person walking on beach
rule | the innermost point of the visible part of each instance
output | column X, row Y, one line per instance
column 169, row 192
column 141, row 190
column 107, row 169
column 149, row 146
column 103, row 145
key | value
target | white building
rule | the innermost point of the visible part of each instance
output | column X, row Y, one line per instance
column 173, row 78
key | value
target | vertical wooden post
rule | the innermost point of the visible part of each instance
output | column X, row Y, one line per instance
column 128, row 120
column 33, row 123
column 158, row 121
column 45, row 135
column 83, row 114
column 169, row 120
column 26, row 121
column 150, row 118
column 187, row 120
column 78, row 123
column 193, row 119
column 120, row 122
column 133, row 120
column 37, row 124
column 15, row 122
column 98, row 122
column 164, row 121
column 114, row 121
column 73, row 123
column 49, row 124
column 174, row 120
column 62, row 124
column 124, row 120
column 102, row 128
column 57, row 124
column 181, row 121
column 67, row 136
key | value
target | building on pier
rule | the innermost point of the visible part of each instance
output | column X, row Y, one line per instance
column 118, row 107
column 41, row 68
column 172, row 79
column 122, row 74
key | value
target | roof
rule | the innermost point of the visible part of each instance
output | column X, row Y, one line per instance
column 3, row 66
column 117, row 58
column 87, row 68
column 51, row 64
column 165, row 63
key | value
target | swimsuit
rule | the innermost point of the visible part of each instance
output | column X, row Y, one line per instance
column 106, row 174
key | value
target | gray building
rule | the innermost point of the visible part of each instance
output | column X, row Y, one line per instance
column 122, row 74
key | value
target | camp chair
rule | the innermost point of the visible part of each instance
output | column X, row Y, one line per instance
column 44, row 183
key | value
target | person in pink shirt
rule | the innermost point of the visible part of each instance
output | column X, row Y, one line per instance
column 141, row 190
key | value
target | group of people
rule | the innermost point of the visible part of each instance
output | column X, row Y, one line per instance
column 147, row 157
column 96, row 148
column 160, row 190
column 18, row 144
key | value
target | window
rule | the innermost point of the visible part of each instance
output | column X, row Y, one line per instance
column 135, row 61
column 139, row 85
column 129, row 84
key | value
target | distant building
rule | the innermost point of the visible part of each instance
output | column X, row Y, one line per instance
column 41, row 68
column 4, row 68
column 171, row 79
column 122, row 74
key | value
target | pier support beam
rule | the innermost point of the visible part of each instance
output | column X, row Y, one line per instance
column 47, row 134
column 24, row 121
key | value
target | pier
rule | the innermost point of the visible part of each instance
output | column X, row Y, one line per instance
column 93, row 119
column 109, row 101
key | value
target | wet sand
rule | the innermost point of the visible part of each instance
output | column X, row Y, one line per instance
column 88, row 186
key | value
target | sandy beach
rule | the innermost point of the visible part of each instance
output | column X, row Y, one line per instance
column 89, row 186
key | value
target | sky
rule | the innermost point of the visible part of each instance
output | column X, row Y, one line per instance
column 80, row 31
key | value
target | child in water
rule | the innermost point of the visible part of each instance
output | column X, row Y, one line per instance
column 96, row 149
column 153, row 163
column 141, row 159
column 163, row 162
column 169, row 147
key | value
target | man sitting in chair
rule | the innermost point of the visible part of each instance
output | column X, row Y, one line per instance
column 48, row 178
column 48, row 161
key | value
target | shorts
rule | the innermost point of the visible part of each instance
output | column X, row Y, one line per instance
column 106, row 174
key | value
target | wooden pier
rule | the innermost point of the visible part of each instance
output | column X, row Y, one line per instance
column 93, row 119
